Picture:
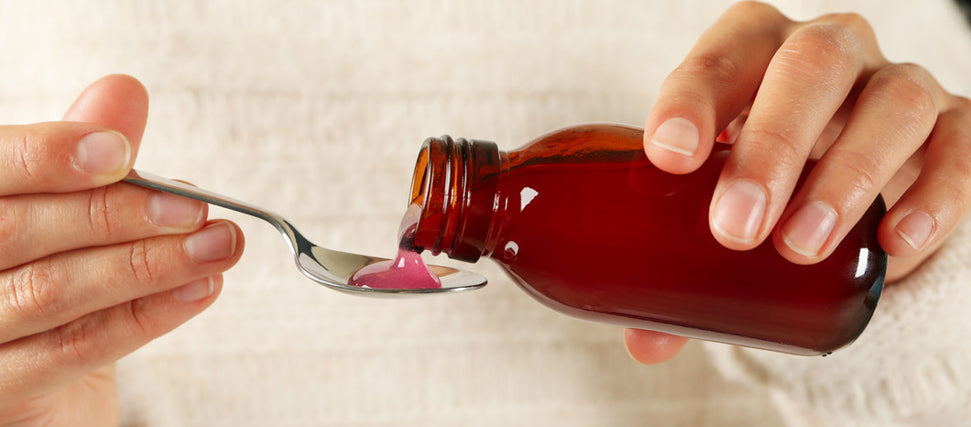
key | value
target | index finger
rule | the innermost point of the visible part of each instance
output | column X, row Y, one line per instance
column 61, row 157
column 65, row 156
column 714, row 83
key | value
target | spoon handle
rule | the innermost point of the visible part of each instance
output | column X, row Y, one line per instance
column 154, row 182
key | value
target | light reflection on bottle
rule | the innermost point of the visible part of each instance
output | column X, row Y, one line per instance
column 861, row 267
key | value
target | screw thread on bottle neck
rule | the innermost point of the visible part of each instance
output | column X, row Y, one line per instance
column 455, row 184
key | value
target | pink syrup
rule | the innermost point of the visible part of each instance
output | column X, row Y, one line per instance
column 405, row 271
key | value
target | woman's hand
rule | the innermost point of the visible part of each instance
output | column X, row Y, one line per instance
column 91, row 269
column 783, row 92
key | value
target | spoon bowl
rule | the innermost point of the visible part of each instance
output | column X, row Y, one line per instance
column 327, row 267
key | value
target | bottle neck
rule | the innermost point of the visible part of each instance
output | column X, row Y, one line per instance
column 455, row 185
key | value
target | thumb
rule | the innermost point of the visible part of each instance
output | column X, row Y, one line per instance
column 649, row 347
column 118, row 102
column 62, row 157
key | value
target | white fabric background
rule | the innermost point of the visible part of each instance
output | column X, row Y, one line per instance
column 315, row 109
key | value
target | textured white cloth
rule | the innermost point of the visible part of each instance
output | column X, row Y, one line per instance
column 316, row 109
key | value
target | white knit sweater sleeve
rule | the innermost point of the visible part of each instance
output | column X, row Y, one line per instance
column 910, row 365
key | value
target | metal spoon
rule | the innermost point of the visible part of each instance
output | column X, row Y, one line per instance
column 325, row 266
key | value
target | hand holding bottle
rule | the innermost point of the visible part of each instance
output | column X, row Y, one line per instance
column 783, row 92
column 91, row 269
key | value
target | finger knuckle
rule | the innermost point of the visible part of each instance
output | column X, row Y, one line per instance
column 718, row 69
column 755, row 9
column 906, row 85
column 825, row 51
column 77, row 340
column 139, row 262
column 862, row 171
column 27, row 156
column 961, row 163
column 851, row 21
column 32, row 291
column 782, row 143
column 99, row 212
column 139, row 322
column 12, row 219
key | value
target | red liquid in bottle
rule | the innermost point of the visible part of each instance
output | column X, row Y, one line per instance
column 588, row 226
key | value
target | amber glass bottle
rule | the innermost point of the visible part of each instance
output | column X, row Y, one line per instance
column 584, row 222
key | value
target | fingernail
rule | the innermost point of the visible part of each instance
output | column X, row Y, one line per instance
column 195, row 291
column 171, row 211
column 739, row 211
column 677, row 135
column 213, row 243
column 915, row 228
column 808, row 229
column 103, row 153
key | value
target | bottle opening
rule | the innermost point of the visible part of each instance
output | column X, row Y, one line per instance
column 427, row 170
column 419, row 178
column 454, row 187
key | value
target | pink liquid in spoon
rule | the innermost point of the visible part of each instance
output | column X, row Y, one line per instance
column 405, row 271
